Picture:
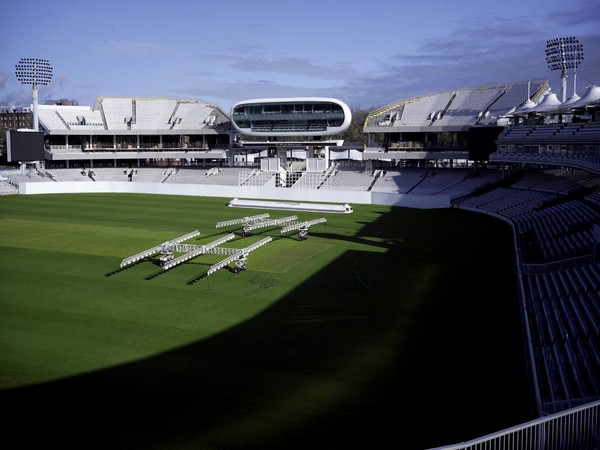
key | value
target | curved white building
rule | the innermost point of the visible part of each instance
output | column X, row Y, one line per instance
column 295, row 116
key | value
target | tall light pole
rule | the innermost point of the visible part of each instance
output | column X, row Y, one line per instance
column 562, row 54
column 36, row 72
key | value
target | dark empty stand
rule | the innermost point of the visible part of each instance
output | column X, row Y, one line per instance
column 553, row 213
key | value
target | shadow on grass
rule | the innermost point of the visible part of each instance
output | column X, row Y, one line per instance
column 368, row 353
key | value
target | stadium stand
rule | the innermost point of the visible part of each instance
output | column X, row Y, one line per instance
column 353, row 180
column 468, row 105
column 422, row 111
column 228, row 176
column 554, row 238
column 117, row 112
column 459, row 107
column 8, row 186
column 133, row 132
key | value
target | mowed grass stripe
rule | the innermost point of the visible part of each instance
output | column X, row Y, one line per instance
column 76, row 237
column 150, row 212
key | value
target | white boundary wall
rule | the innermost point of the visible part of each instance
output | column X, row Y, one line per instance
column 263, row 193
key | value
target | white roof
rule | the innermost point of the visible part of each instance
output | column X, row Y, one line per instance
column 548, row 103
column 551, row 104
column 571, row 99
column 591, row 96
column 527, row 107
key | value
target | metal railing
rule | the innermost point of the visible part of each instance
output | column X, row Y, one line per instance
column 575, row 429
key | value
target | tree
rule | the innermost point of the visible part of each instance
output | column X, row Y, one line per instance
column 62, row 101
column 355, row 133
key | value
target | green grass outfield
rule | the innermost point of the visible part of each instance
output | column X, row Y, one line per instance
column 384, row 322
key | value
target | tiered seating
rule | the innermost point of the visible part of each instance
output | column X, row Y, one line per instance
column 561, row 231
column 467, row 105
column 509, row 202
column 6, row 188
column 148, row 175
column 153, row 114
column 310, row 180
column 70, row 174
column 513, row 96
column 351, row 180
column 594, row 197
column 560, row 181
column 563, row 318
column 418, row 112
column 104, row 174
column 217, row 175
column 516, row 133
column 49, row 119
column 190, row 115
column 470, row 184
column 561, row 287
column 588, row 132
column 29, row 176
column 440, row 180
column 464, row 109
column 81, row 118
column 544, row 132
column 553, row 132
column 398, row 181
column 533, row 179
column 116, row 112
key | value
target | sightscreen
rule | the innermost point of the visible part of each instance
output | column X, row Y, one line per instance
column 24, row 146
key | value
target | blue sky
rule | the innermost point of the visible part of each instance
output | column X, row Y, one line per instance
column 366, row 53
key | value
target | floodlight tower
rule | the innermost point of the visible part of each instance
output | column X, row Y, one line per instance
column 564, row 53
column 36, row 72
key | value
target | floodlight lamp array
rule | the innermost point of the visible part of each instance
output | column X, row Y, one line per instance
column 564, row 53
column 34, row 71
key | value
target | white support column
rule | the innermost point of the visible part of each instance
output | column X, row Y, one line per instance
column 35, row 108
column 563, row 85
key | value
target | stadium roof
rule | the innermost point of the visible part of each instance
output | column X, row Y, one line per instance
column 552, row 105
column 455, row 110
column 589, row 99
